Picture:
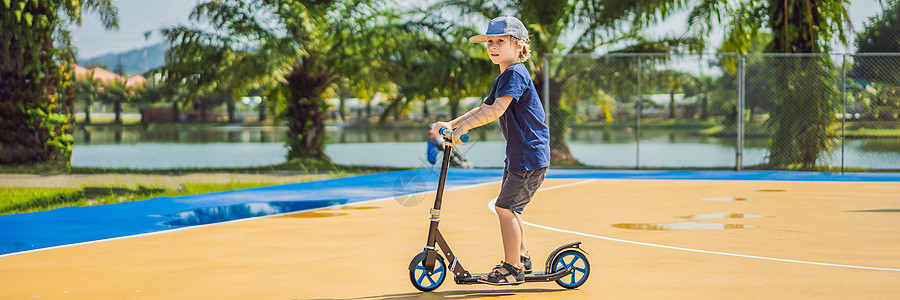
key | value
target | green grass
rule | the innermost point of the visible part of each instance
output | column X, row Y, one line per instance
column 871, row 132
column 97, row 120
column 19, row 200
column 751, row 130
column 22, row 200
column 38, row 168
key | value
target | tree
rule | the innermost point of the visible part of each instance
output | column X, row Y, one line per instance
column 371, row 72
column 306, row 44
column 880, row 98
column 114, row 93
column 459, row 70
column 881, row 35
column 406, row 56
column 150, row 93
column 208, row 68
column 592, row 23
column 452, row 66
column 803, row 105
column 430, row 59
column 704, row 86
column 159, row 90
column 86, row 90
column 672, row 82
column 35, row 124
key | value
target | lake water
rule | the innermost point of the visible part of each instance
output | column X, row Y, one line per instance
column 238, row 146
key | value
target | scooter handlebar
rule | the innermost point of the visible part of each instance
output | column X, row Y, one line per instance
column 447, row 133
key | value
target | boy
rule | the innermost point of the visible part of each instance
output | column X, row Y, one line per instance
column 515, row 102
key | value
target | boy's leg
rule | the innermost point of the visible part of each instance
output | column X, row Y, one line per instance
column 511, row 235
column 516, row 191
column 523, row 251
column 510, row 230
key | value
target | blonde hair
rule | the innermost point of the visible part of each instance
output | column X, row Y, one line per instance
column 525, row 54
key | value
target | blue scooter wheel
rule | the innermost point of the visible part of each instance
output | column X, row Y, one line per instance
column 424, row 282
column 578, row 261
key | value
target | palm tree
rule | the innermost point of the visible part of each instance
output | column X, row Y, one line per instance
column 35, row 122
column 86, row 90
column 307, row 45
column 881, row 35
column 407, row 57
column 454, row 67
column 429, row 59
column 803, row 109
column 673, row 82
column 702, row 86
column 159, row 89
column 204, row 68
column 592, row 23
column 115, row 93
column 371, row 72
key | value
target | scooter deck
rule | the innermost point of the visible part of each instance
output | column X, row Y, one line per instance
column 533, row 277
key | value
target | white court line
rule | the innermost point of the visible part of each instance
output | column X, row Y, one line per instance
column 239, row 220
column 490, row 207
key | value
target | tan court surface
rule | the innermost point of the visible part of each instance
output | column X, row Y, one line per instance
column 362, row 251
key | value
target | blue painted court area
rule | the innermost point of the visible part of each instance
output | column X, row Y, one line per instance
column 71, row 225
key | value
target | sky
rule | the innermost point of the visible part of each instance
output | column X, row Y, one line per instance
column 139, row 16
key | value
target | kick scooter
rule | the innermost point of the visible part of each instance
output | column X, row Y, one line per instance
column 567, row 265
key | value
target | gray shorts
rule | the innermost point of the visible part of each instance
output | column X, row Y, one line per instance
column 517, row 188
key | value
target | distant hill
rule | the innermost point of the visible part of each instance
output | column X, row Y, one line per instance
column 135, row 61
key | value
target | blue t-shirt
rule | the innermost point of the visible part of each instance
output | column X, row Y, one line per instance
column 527, row 136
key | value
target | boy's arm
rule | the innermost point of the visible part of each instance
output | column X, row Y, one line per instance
column 485, row 114
column 455, row 123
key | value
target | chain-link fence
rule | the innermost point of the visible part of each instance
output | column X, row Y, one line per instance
column 828, row 112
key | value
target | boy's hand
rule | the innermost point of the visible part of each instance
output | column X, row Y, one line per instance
column 460, row 131
column 437, row 127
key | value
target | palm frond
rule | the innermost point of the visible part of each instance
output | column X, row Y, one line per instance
column 707, row 14
column 482, row 8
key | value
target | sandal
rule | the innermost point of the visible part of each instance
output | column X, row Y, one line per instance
column 526, row 260
column 512, row 275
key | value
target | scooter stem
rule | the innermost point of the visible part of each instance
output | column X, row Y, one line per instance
column 443, row 179
column 436, row 212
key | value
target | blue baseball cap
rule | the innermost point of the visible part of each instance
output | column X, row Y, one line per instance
column 500, row 26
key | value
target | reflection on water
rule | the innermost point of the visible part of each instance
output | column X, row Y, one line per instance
column 179, row 133
column 679, row 226
column 711, row 216
column 201, row 133
column 174, row 156
column 215, row 214
column 881, row 145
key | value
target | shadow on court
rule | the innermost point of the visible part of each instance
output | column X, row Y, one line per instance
column 463, row 294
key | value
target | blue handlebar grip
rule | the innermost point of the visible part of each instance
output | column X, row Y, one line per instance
column 464, row 138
